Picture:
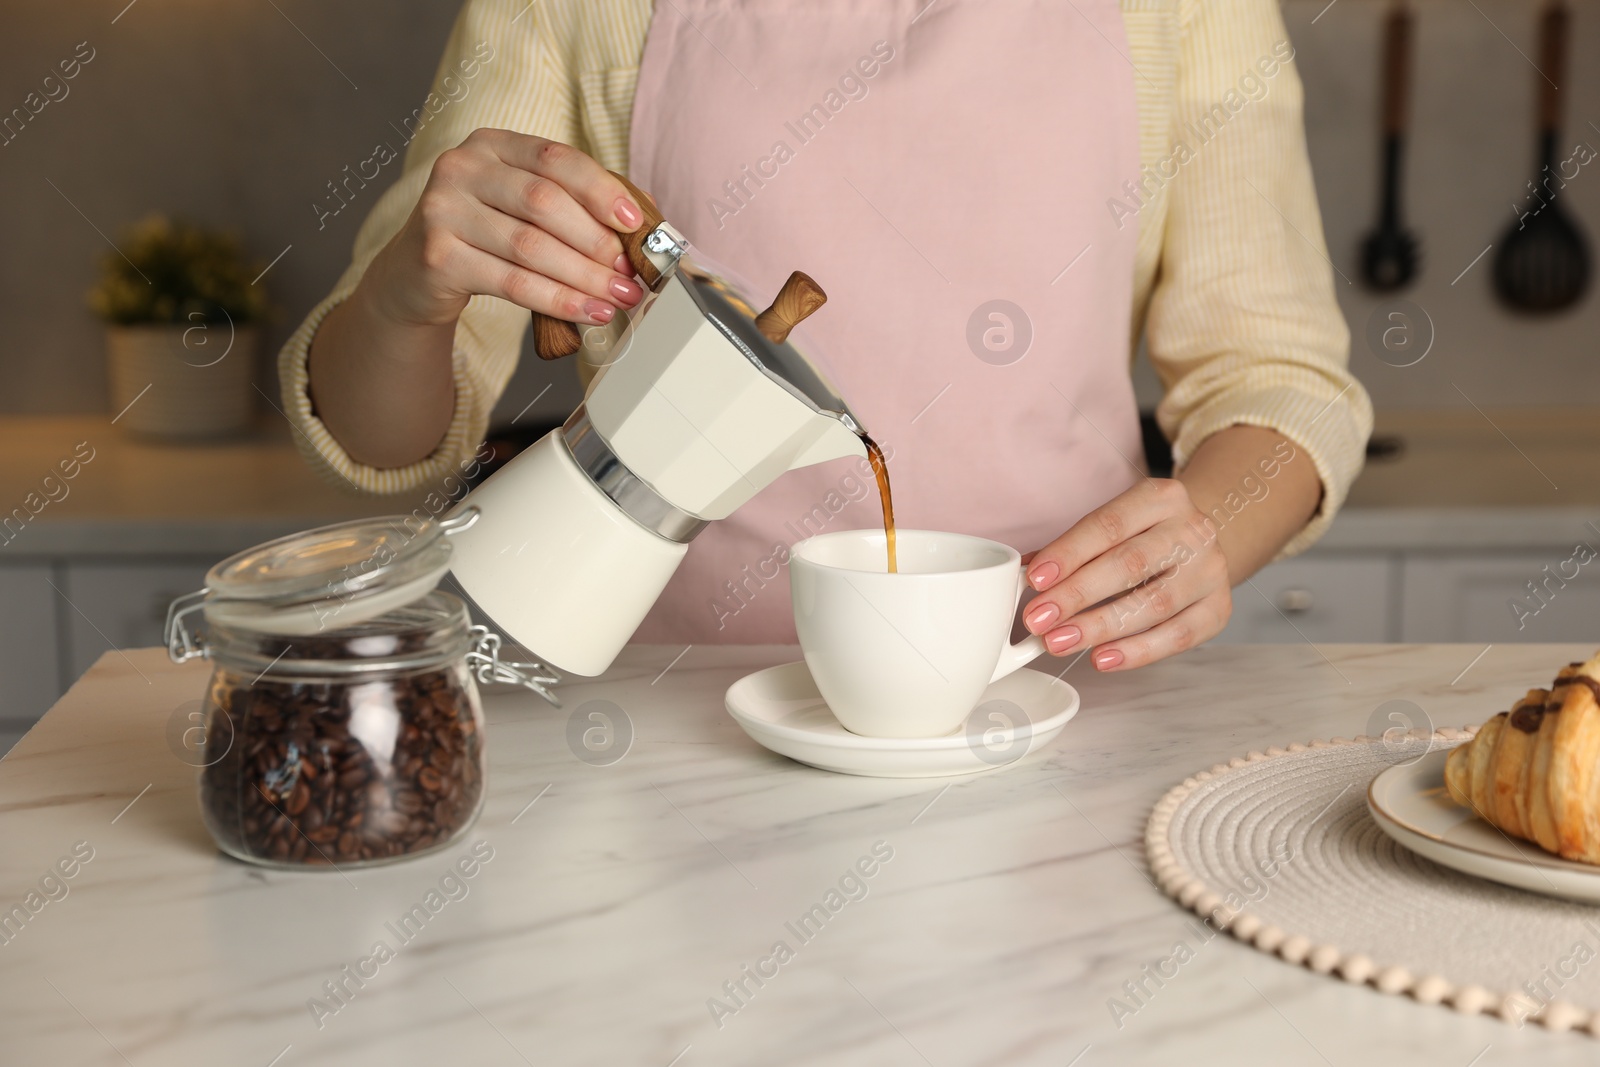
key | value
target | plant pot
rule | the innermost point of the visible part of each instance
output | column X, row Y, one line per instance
column 182, row 382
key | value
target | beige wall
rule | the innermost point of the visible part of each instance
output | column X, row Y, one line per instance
column 1471, row 153
column 221, row 112
column 225, row 113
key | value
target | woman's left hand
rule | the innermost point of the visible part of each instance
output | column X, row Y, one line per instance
column 1151, row 557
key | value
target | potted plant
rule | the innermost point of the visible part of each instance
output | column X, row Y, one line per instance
column 181, row 336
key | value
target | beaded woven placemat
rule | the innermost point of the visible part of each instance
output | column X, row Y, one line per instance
column 1279, row 849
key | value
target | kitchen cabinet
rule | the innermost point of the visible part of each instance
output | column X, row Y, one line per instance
column 1318, row 599
column 122, row 605
column 47, row 639
column 140, row 524
column 1419, row 596
column 29, row 669
column 1471, row 598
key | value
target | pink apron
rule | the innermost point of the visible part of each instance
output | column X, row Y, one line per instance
column 942, row 170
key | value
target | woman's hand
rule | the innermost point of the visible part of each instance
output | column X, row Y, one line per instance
column 1150, row 557
column 503, row 214
column 510, row 215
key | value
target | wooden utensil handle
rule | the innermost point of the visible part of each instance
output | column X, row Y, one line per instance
column 1396, row 69
column 1552, row 64
column 554, row 338
column 799, row 297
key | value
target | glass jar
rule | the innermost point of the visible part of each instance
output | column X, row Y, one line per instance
column 350, row 744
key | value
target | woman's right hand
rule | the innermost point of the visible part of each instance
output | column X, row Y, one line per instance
column 515, row 216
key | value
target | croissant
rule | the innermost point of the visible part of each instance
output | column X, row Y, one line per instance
column 1534, row 771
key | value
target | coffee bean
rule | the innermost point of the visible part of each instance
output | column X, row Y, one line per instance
column 298, row 787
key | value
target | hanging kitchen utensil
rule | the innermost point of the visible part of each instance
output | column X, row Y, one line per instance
column 1389, row 254
column 1543, row 262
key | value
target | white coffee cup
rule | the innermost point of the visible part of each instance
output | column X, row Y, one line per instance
column 907, row 654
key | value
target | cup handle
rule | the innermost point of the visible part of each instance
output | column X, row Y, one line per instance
column 1015, row 657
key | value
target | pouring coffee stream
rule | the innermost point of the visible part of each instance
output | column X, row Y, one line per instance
column 799, row 297
column 880, row 468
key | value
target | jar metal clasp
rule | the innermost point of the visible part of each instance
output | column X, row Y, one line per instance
column 483, row 660
column 182, row 646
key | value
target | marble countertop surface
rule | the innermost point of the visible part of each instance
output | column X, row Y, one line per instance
column 619, row 899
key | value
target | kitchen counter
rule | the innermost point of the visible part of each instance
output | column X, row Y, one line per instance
column 1513, row 479
column 139, row 497
column 1504, row 479
column 1452, row 529
column 1457, row 483
column 620, row 898
column 1539, row 458
column 1433, row 543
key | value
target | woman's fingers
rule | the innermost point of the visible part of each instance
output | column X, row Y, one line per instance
column 1163, row 597
column 1138, row 579
column 542, row 219
column 1112, row 523
column 597, row 189
column 544, row 210
column 542, row 252
column 1196, row 623
column 545, row 204
column 492, row 275
column 1118, row 569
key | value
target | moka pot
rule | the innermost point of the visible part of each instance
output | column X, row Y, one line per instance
column 699, row 403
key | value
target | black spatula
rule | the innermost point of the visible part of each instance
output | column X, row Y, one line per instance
column 1543, row 262
column 1389, row 254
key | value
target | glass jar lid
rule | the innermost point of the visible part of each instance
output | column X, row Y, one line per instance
column 331, row 577
column 361, row 585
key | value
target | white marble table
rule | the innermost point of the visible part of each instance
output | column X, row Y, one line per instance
column 620, row 898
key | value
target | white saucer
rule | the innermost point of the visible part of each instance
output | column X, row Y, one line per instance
column 1410, row 804
column 781, row 709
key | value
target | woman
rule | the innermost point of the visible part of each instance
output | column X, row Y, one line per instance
column 998, row 197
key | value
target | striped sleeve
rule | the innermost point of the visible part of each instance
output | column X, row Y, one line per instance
column 499, row 70
column 1243, row 326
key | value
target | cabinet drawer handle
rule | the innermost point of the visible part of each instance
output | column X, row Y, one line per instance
column 1294, row 601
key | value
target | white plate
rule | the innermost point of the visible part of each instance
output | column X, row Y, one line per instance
column 1410, row 804
column 781, row 709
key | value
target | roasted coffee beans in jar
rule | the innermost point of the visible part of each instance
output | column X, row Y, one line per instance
column 347, row 747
